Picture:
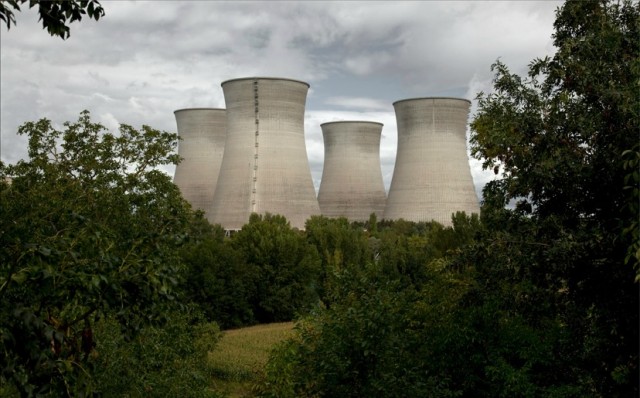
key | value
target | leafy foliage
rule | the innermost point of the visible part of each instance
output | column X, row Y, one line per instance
column 350, row 350
column 559, row 138
column 340, row 245
column 631, row 231
column 541, row 300
column 54, row 14
column 284, row 265
column 88, row 226
column 218, row 280
column 168, row 360
column 405, row 247
column 378, row 333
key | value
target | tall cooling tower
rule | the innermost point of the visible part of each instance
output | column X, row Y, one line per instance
column 265, row 166
column 203, row 132
column 351, row 184
column 432, row 178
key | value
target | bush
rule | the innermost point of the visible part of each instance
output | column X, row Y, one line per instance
column 284, row 265
column 162, row 361
column 217, row 280
column 369, row 343
column 89, row 226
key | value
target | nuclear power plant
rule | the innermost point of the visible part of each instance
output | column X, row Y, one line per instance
column 431, row 179
column 252, row 158
column 203, row 132
column 351, row 184
column 265, row 166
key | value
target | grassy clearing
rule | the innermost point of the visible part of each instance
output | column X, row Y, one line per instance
column 239, row 358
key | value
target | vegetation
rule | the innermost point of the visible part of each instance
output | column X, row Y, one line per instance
column 534, row 300
column 168, row 360
column 239, row 359
column 379, row 330
column 89, row 227
column 54, row 14
column 217, row 280
column 111, row 285
column 339, row 245
column 284, row 266
column 559, row 138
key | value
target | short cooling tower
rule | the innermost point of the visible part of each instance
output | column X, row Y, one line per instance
column 351, row 184
column 202, row 132
column 265, row 166
column 432, row 178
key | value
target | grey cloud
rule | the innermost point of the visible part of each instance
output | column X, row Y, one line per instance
column 146, row 59
column 358, row 103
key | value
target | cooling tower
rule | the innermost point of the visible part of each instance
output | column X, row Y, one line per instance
column 265, row 166
column 432, row 178
column 202, row 132
column 351, row 184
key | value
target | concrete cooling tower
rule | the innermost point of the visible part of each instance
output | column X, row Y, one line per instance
column 203, row 132
column 265, row 166
column 351, row 184
column 432, row 178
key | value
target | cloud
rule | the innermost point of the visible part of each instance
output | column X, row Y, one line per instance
column 357, row 103
column 144, row 60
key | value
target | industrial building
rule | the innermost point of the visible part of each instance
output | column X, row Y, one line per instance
column 265, row 166
column 251, row 158
column 203, row 132
column 431, row 179
column 352, row 184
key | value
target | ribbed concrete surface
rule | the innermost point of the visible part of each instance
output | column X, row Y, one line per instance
column 265, row 166
column 203, row 132
column 432, row 178
column 351, row 184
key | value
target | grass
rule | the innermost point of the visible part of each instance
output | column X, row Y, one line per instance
column 239, row 358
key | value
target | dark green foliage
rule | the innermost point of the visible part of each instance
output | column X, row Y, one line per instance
column 560, row 137
column 284, row 266
column 340, row 245
column 464, row 330
column 529, row 338
column 218, row 280
column 404, row 247
column 631, row 231
column 87, row 226
column 168, row 360
column 54, row 14
column 539, row 300
column 377, row 339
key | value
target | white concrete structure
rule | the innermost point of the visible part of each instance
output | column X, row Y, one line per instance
column 203, row 133
column 351, row 184
column 265, row 166
column 432, row 178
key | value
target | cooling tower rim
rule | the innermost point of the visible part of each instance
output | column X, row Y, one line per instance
column 264, row 78
column 352, row 121
column 432, row 98
column 199, row 109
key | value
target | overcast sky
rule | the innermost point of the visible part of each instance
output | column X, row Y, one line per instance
column 144, row 60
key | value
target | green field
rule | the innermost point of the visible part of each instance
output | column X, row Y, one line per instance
column 239, row 358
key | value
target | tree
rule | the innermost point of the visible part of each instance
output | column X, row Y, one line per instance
column 88, row 226
column 560, row 138
column 217, row 279
column 284, row 265
column 379, row 338
column 536, row 301
column 340, row 245
column 54, row 14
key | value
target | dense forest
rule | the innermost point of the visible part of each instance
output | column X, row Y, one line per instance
column 111, row 285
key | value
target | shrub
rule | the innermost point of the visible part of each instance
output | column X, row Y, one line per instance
column 162, row 361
